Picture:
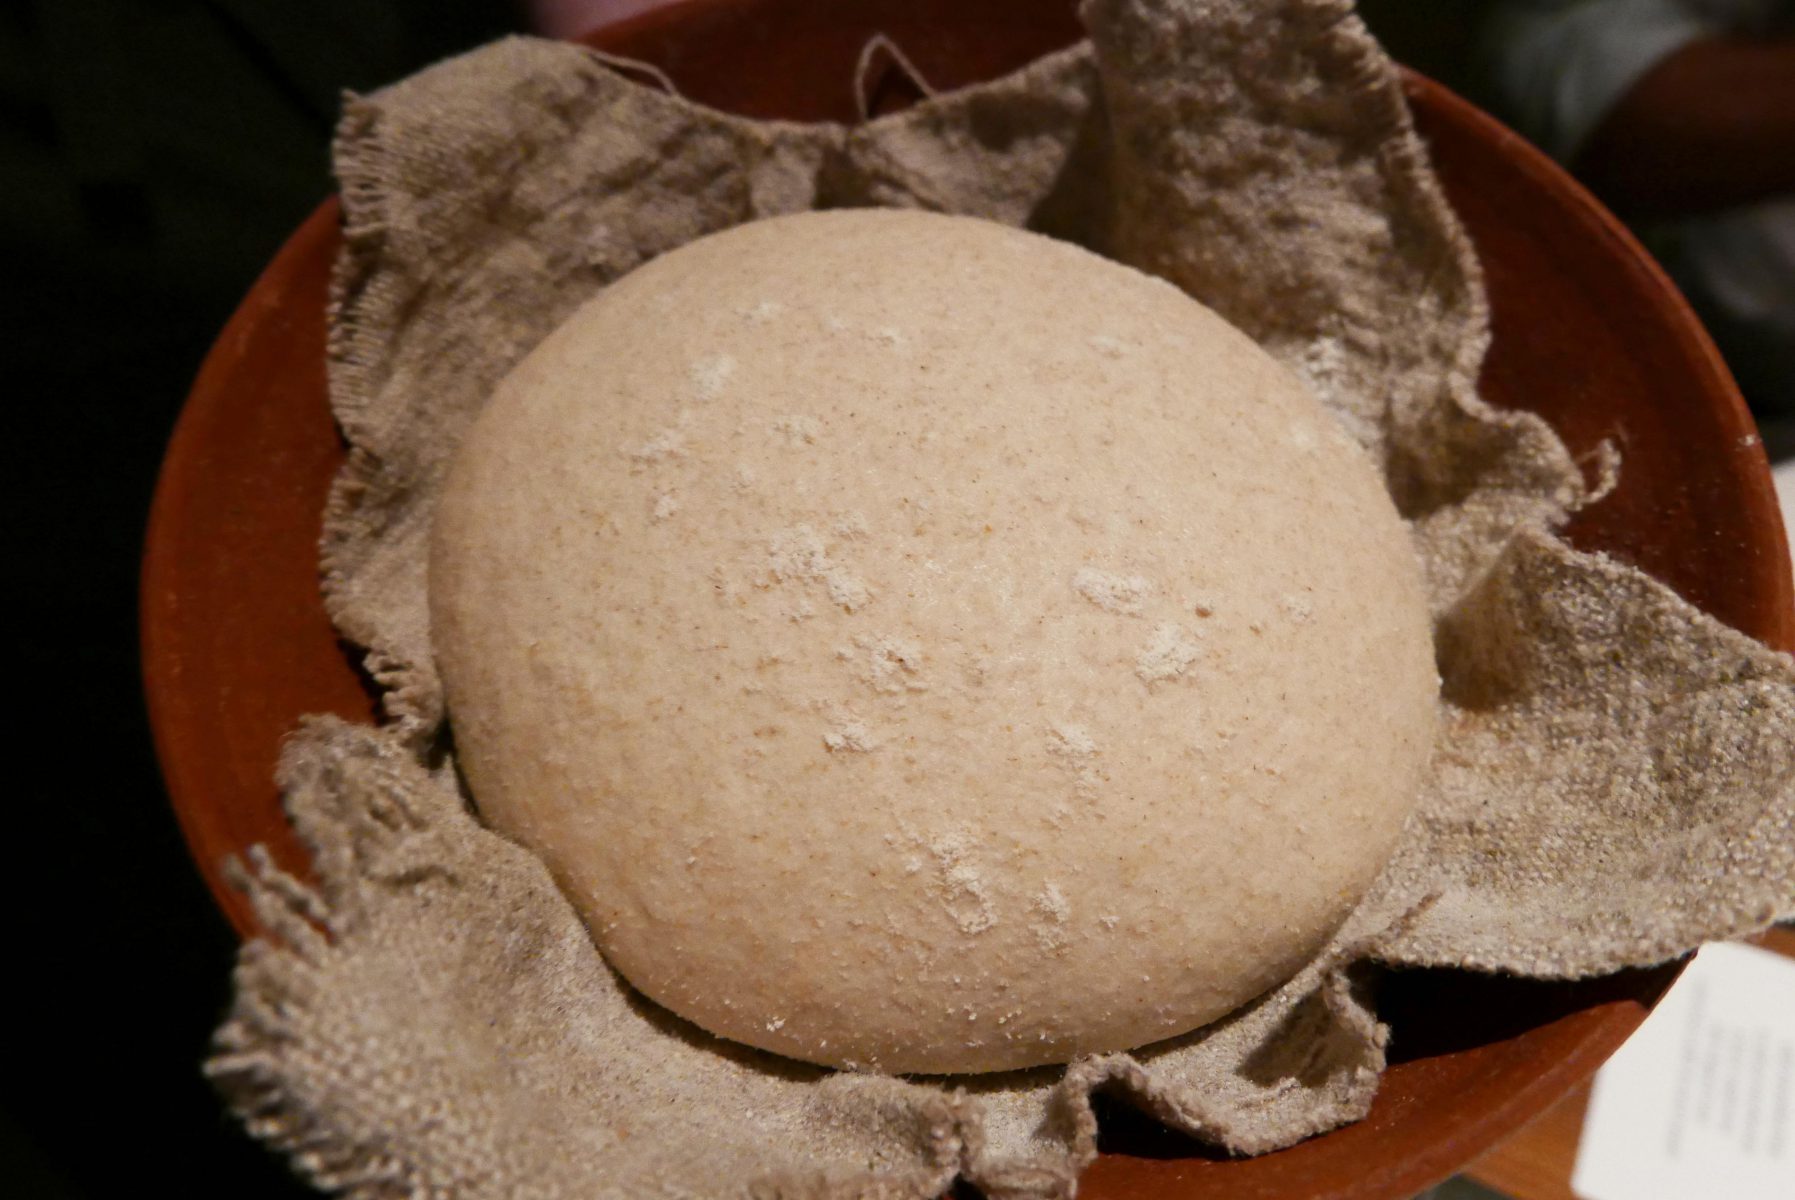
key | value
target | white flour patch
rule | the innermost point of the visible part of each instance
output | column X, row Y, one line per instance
column 893, row 664
column 1072, row 747
column 1051, row 907
column 797, row 430
column 1120, row 594
column 710, row 376
column 665, row 444
column 798, row 554
column 958, row 885
column 850, row 736
column 1167, row 655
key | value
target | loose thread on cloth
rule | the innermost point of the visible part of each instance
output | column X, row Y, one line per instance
column 636, row 66
column 864, row 81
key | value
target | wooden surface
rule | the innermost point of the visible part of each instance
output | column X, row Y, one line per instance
column 1587, row 333
column 1536, row 1163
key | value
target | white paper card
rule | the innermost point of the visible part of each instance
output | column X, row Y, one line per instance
column 1783, row 475
column 1700, row 1102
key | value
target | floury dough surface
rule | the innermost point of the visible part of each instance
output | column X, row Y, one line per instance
column 919, row 644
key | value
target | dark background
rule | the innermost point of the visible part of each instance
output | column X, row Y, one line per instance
column 153, row 155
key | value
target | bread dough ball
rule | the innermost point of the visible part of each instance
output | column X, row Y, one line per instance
column 922, row 645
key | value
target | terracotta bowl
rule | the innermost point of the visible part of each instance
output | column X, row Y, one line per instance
column 1588, row 333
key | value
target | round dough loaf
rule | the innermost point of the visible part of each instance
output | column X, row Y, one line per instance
column 922, row 645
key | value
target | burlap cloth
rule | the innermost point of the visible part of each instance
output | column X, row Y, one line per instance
column 1612, row 784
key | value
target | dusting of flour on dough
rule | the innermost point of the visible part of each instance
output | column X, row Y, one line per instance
column 798, row 553
column 1050, row 904
column 665, row 505
column 797, row 430
column 1072, row 747
column 1167, row 655
column 958, row 884
column 893, row 664
column 846, row 591
column 665, row 444
column 711, row 375
column 1070, row 741
column 850, row 736
column 1120, row 594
